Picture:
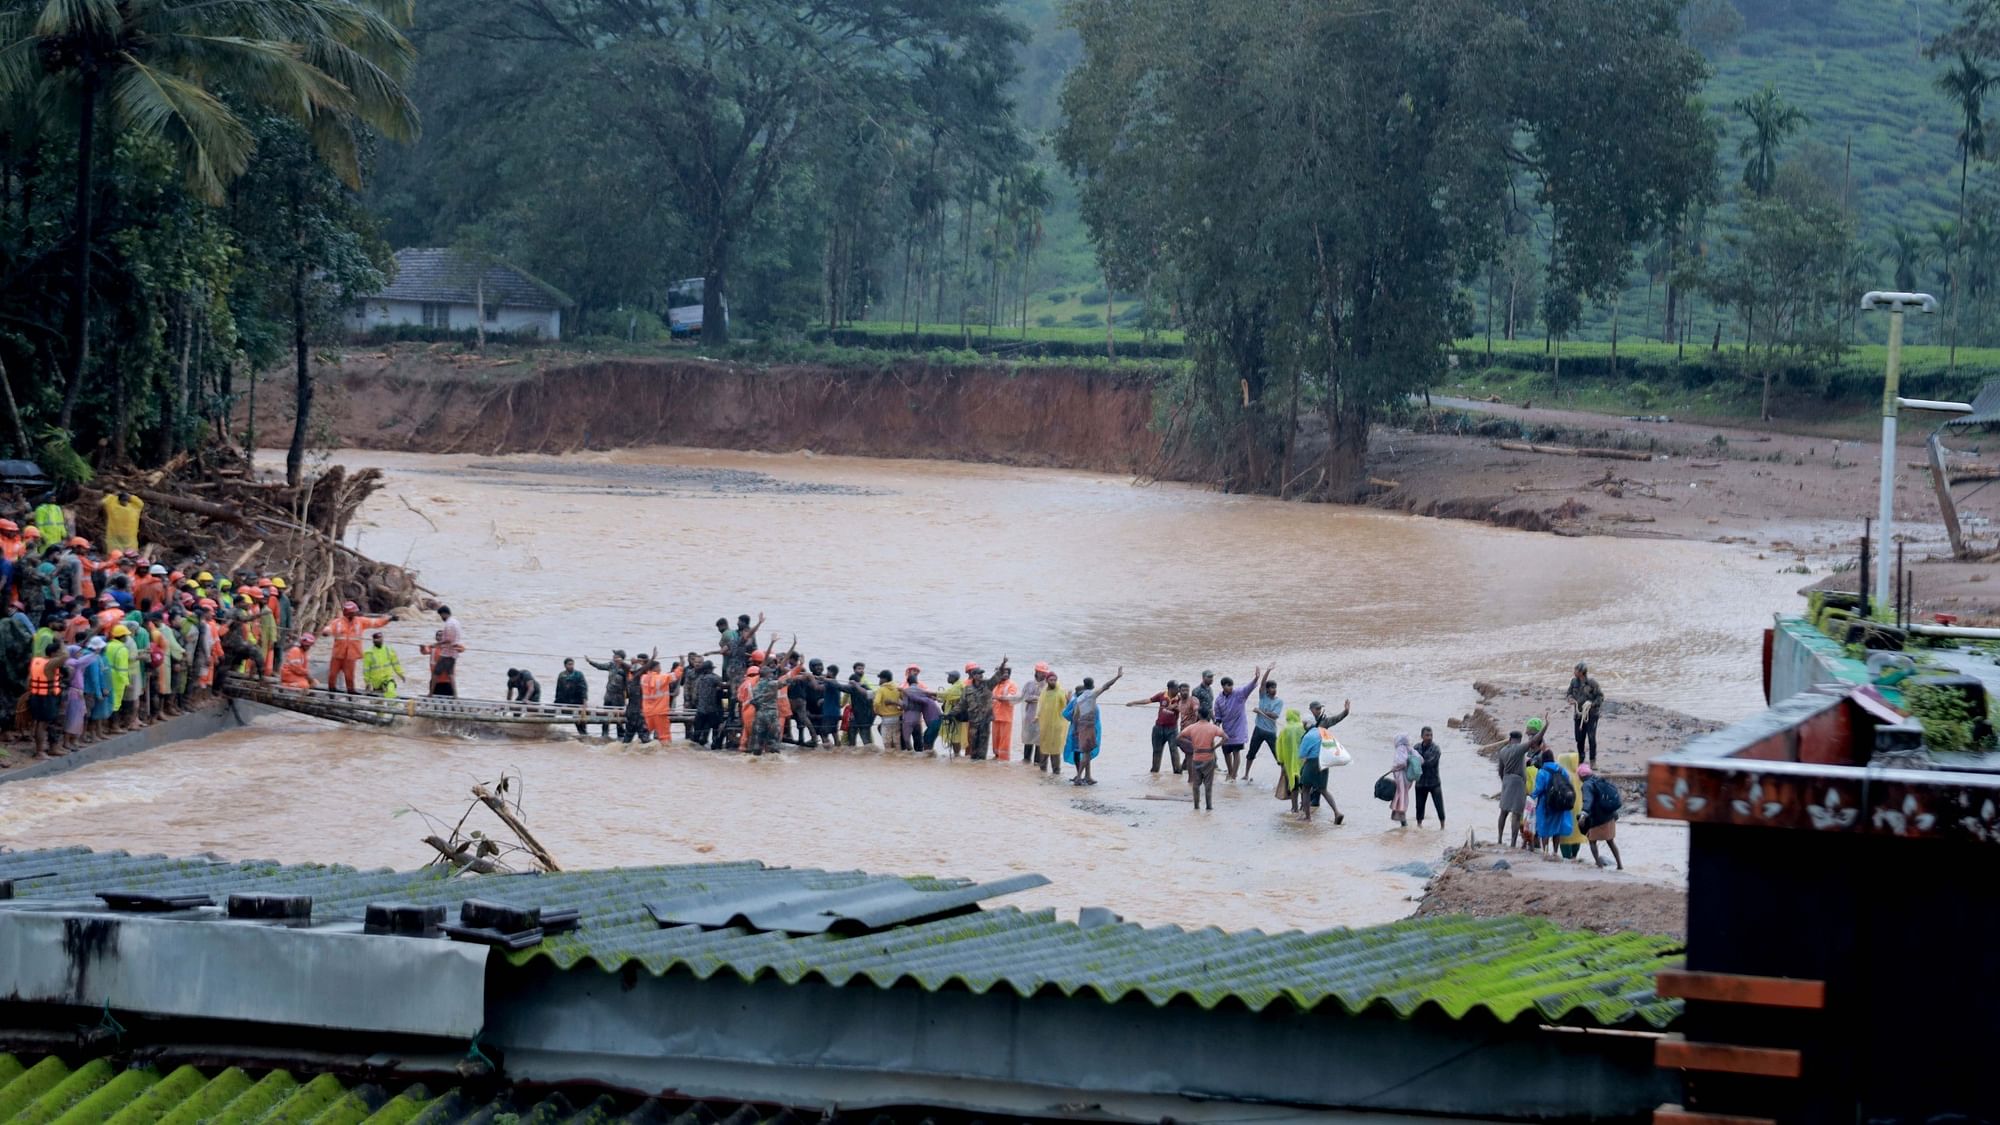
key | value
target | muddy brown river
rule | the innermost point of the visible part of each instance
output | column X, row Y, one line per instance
column 899, row 562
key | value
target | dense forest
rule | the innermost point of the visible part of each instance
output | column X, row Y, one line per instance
column 1319, row 198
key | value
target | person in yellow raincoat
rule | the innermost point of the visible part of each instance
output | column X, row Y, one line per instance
column 1054, row 729
column 118, row 660
column 1572, row 843
column 1289, row 736
column 381, row 668
column 953, row 731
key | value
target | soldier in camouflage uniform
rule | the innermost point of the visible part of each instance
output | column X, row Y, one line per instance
column 977, row 705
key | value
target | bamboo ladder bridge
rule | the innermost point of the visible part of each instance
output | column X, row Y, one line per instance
column 375, row 710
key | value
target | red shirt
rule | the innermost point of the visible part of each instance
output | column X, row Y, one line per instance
column 1169, row 717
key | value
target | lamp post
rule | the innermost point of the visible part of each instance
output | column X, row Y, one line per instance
column 1896, row 304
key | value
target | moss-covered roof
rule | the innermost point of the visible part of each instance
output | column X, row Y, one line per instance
column 1505, row 969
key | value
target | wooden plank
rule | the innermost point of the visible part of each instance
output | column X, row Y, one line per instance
column 1734, row 988
column 1674, row 1052
column 1674, row 1115
column 1941, row 483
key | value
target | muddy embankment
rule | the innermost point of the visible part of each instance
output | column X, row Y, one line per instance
column 1059, row 418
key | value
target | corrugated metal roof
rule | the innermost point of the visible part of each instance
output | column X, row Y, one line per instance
column 789, row 905
column 98, row 1092
column 1985, row 408
column 1508, row 968
column 443, row 274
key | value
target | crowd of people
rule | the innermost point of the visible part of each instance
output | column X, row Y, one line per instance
column 103, row 640
column 1556, row 803
column 100, row 639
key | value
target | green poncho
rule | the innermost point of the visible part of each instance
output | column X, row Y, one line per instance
column 1289, row 737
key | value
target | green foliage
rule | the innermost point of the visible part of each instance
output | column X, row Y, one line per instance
column 1946, row 715
column 62, row 463
column 1325, row 203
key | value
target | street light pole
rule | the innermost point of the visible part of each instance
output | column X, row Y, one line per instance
column 1896, row 304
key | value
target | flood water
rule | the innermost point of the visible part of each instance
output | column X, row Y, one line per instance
column 900, row 562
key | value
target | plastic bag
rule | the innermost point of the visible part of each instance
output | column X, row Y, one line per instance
column 1332, row 753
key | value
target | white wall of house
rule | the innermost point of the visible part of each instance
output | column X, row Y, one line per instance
column 373, row 311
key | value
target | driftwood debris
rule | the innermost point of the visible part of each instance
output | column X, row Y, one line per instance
column 471, row 849
column 1576, row 451
column 512, row 820
column 465, row 857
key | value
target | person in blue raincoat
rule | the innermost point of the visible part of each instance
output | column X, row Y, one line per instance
column 1086, row 727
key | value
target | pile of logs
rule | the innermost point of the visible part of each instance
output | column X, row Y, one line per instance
column 217, row 514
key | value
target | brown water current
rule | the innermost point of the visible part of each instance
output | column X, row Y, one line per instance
column 899, row 562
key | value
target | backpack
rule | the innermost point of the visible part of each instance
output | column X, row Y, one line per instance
column 1606, row 800
column 1560, row 796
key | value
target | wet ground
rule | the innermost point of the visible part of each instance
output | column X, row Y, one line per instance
column 935, row 564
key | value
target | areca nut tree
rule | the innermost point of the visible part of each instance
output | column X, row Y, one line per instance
column 1772, row 123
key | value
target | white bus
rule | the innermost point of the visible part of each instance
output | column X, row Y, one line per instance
column 684, row 307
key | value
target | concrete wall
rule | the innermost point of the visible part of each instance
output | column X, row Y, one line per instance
column 373, row 311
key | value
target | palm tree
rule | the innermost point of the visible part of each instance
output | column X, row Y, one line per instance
column 1772, row 123
column 157, row 67
column 1906, row 250
column 1965, row 83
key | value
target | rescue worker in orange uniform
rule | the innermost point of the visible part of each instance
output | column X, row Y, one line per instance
column 296, row 673
column 750, row 677
column 1006, row 693
column 656, row 690
column 347, row 631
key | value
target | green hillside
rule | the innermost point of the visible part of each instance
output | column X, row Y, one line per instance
column 1854, row 66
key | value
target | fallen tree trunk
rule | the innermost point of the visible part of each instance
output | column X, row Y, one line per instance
column 1576, row 451
column 507, row 816
column 189, row 504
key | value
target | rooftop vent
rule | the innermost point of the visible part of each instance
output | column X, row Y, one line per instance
column 404, row 919
column 508, row 927
column 142, row 903
column 7, row 885
column 283, row 908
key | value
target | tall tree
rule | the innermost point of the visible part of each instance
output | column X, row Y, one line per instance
column 1772, row 123
column 155, row 68
column 729, row 95
column 1965, row 82
column 1313, row 180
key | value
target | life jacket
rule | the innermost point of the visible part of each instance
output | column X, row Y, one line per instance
column 49, row 517
column 295, row 672
column 45, row 676
column 657, row 691
column 378, row 665
column 347, row 631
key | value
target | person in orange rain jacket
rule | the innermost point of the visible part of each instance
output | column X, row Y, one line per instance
column 347, row 631
column 1005, row 694
column 149, row 590
column 295, row 672
column 657, row 692
column 750, row 677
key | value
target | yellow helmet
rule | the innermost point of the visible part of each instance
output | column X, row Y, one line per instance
column 204, row 578
column 278, row 583
column 120, row 631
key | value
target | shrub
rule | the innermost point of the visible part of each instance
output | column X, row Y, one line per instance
column 1047, row 320
column 1058, row 298
column 1087, row 320
column 1092, row 297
